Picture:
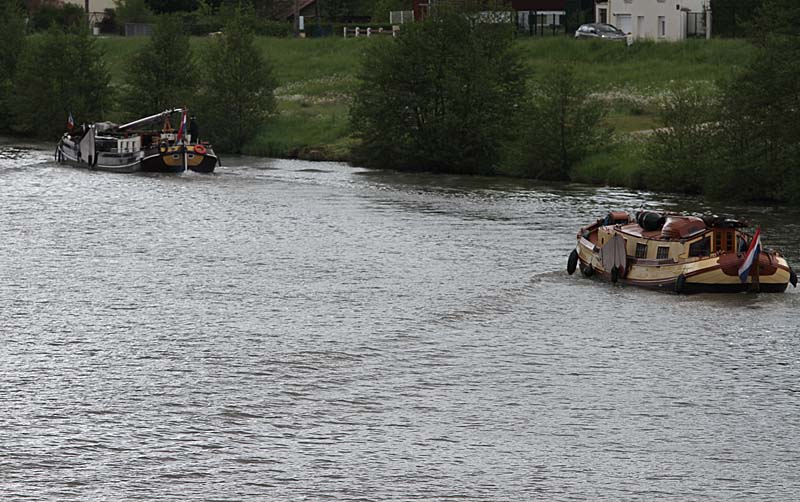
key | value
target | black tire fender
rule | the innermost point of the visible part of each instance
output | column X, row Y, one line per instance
column 614, row 274
column 587, row 270
column 572, row 262
column 792, row 277
column 680, row 283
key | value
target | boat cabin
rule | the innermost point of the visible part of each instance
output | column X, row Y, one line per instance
column 667, row 238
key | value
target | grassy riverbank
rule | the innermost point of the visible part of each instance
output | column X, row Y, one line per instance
column 317, row 77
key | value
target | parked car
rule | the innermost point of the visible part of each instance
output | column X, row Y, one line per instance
column 601, row 31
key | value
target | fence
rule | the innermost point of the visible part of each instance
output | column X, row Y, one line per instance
column 535, row 23
column 695, row 24
column 401, row 16
column 138, row 29
column 369, row 32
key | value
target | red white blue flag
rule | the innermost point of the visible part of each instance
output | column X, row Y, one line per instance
column 70, row 122
column 182, row 128
column 753, row 252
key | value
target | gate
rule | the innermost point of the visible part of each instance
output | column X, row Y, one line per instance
column 695, row 25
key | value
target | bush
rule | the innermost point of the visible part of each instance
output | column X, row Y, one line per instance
column 48, row 88
column 440, row 97
column 161, row 74
column 683, row 151
column 68, row 15
column 237, row 93
column 759, row 138
column 12, row 41
column 561, row 127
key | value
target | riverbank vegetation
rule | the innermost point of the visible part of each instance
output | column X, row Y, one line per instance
column 698, row 116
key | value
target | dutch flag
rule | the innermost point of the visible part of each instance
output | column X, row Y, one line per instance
column 70, row 122
column 753, row 251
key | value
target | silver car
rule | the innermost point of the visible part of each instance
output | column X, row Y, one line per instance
column 600, row 31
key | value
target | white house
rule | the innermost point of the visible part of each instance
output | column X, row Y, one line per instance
column 657, row 19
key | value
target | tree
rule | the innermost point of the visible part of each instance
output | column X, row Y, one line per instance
column 12, row 41
column 777, row 17
column 59, row 73
column 133, row 11
column 682, row 153
column 382, row 8
column 440, row 97
column 161, row 75
column 562, row 125
column 237, row 91
column 170, row 6
column 760, row 126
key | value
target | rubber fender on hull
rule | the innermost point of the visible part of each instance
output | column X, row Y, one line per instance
column 572, row 262
column 614, row 274
column 680, row 283
column 587, row 270
column 792, row 277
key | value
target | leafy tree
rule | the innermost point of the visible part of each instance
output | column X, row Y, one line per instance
column 562, row 125
column 133, row 11
column 758, row 136
column 760, row 126
column 382, row 8
column 59, row 73
column 170, row 6
column 161, row 75
column 12, row 40
column 681, row 153
column 237, row 94
column 440, row 97
column 68, row 15
column 344, row 10
column 733, row 18
column 777, row 17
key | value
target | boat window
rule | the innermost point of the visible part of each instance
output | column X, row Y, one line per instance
column 724, row 240
column 701, row 247
column 641, row 250
column 662, row 253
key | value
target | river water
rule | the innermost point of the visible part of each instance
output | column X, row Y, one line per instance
column 285, row 330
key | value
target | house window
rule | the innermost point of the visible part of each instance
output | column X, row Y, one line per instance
column 641, row 250
column 662, row 26
column 662, row 253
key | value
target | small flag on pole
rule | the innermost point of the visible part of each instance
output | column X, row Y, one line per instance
column 70, row 122
column 182, row 128
column 751, row 257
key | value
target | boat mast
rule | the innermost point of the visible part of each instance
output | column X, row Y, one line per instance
column 151, row 118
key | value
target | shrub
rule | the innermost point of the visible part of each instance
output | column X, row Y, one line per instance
column 560, row 128
column 48, row 88
column 237, row 94
column 682, row 152
column 440, row 97
column 161, row 75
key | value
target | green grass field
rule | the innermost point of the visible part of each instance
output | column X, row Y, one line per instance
column 317, row 78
